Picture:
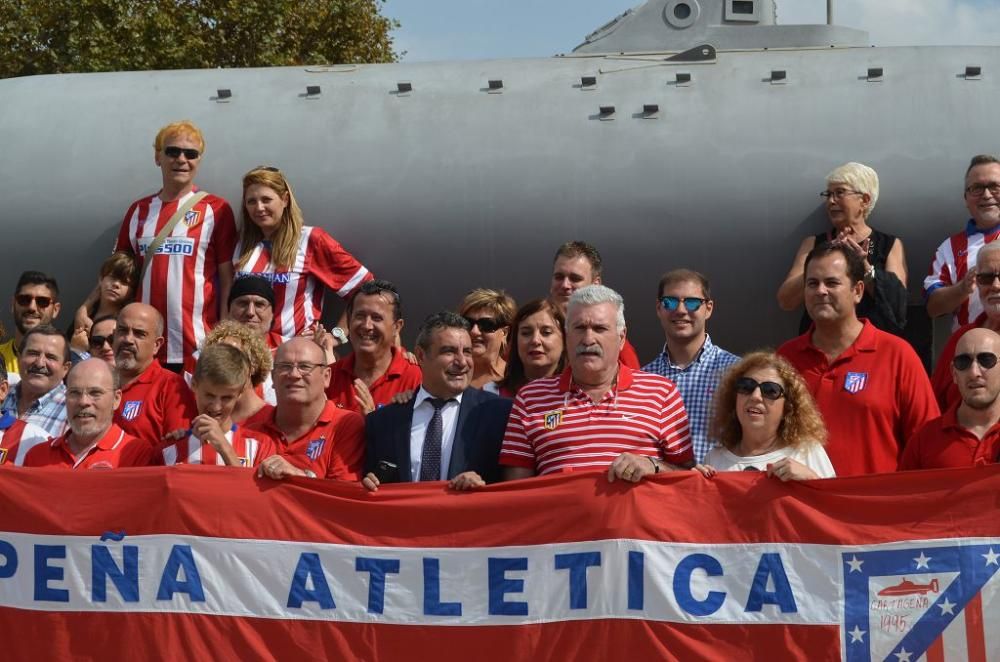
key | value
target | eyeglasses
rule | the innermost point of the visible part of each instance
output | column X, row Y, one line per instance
column 173, row 151
column 838, row 194
column 977, row 190
column 691, row 304
column 485, row 324
column 963, row 362
column 24, row 300
column 985, row 279
column 286, row 368
column 768, row 390
column 97, row 342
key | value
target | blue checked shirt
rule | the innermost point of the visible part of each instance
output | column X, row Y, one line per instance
column 697, row 384
column 48, row 412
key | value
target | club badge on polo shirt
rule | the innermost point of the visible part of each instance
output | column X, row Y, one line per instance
column 131, row 409
column 553, row 419
column 855, row 382
column 192, row 218
column 315, row 448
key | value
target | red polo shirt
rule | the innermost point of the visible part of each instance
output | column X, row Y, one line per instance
column 333, row 448
column 157, row 402
column 944, row 444
column 400, row 376
column 115, row 449
column 873, row 397
column 944, row 386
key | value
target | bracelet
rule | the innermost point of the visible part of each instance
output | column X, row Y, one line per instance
column 656, row 465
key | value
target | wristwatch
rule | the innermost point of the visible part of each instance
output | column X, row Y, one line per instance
column 340, row 335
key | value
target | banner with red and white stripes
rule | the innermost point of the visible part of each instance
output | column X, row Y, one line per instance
column 212, row 563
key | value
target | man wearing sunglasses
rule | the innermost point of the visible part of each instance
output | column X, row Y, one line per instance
column 35, row 302
column 869, row 385
column 188, row 277
column 987, row 279
column 689, row 358
column 376, row 370
column 967, row 434
column 951, row 281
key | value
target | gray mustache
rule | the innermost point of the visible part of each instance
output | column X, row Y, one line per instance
column 593, row 349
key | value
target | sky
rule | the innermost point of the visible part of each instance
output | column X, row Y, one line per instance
column 434, row 30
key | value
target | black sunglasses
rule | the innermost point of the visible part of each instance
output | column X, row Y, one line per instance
column 173, row 151
column 96, row 342
column 962, row 362
column 768, row 390
column 485, row 324
column 984, row 279
column 24, row 300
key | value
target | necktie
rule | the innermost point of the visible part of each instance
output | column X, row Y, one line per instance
column 430, row 456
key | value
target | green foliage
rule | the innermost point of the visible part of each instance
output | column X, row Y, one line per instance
column 71, row 36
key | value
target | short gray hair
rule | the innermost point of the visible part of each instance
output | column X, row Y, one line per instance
column 986, row 251
column 592, row 295
column 859, row 177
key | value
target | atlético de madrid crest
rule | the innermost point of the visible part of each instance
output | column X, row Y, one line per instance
column 920, row 603
column 553, row 419
column 855, row 382
column 131, row 409
column 192, row 218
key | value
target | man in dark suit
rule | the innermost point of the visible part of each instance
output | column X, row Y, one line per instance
column 447, row 431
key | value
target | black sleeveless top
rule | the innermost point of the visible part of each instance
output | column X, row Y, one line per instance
column 884, row 302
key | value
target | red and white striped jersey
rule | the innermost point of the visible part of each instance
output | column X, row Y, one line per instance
column 554, row 426
column 251, row 447
column 951, row 263
column 182, row 280
column 298, row 291
column 17, row 437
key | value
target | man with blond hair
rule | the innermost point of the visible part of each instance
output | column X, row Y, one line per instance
column 183, row 240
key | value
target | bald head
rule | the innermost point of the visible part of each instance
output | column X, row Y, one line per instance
column 92, row 395
column 978, row 384
column 301, row 375
column 138, row 337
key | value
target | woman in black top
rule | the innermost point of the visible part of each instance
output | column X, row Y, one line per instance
column 850, row 195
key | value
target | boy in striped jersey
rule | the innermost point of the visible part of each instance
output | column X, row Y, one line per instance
column 221, row 374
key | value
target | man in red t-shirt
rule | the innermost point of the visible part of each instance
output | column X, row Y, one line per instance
column 578, row 264
column 93, row 441
column 154, row 400
column 968, row 434
column 190, row 273
column 870, row 385
column 314, row 437
column 377, row 369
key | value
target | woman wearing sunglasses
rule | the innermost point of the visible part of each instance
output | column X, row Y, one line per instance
column 766, row 420
column 489, row 313
column 300, row 260
column 850, row 196
column 541, row 347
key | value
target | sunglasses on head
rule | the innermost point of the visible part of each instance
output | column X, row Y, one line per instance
column 97, row 342
column 986, row 360
column 691, row 304
column 174, row 152
column 485, row 324
column 24, row 300
column 768, row 390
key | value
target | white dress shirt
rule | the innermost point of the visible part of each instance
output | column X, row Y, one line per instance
column 422, row 413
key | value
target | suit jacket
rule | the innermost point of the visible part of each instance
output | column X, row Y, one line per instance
column 479, row 430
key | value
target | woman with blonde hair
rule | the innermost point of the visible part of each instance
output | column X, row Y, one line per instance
column 766, row 420
column 850, row 196
column 489, row 313
column 300, row 261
